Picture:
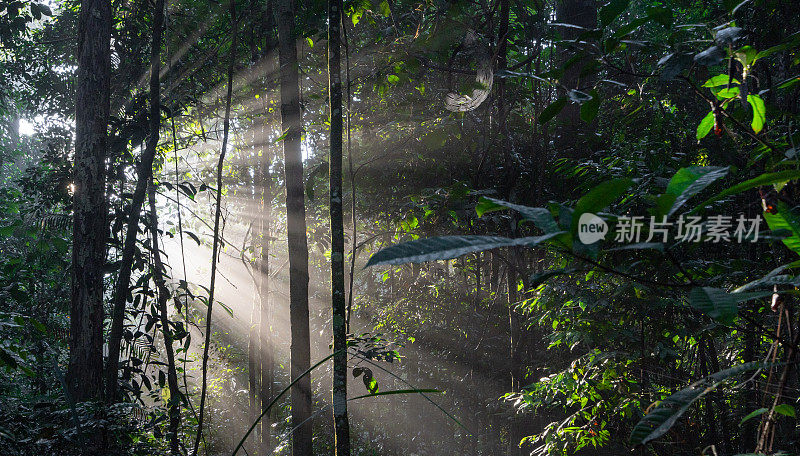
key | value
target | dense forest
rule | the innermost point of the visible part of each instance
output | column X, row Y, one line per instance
column 399, row 227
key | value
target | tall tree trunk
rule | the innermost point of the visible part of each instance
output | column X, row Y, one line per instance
column 338, row 305
column 174, row 402
column 493, row 285
column 265, row 327
column 515, row 331
column 570, row 137
column 144, row 174
column 296, row 230
column 217, row 213
column 510, row 173
column 478, row 266
column 253, row 343
column 85, row 371
column 253, row 348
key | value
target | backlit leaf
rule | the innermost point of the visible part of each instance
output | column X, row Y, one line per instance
column 448, row 247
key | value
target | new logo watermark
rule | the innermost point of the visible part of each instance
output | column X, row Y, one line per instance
column 692, row 228
column 591, row 228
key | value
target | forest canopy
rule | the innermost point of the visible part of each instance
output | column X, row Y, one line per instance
column 399, row 227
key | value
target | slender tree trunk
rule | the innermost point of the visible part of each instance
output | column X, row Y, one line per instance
column 478, row 266
column 253, row 365
column 265, row 327
column 85, row 371
column 217, row 213
column 493, row 285
column 253, row 344
column 749, row 354
column 510, row 176
column 510, row 171
column 296, row 230
column 340, row 421
column 144, row 174
column 515, row 433
column 173, row 404
column 570, row 136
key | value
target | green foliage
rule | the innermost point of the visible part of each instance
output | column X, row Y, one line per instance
column 705, row 126
column 718, row 304
column 759, row 112
column 686, row 183
column 669, row 410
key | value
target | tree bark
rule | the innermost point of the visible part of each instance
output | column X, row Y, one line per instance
column 338, row 305
column 296, row 230
column 266, row 353
column 173, row 404
column 217, row 214
column 85, row 371
column 144, row 174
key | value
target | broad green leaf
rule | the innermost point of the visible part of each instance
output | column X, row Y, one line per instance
column 728, row 36
column 611, row 11
column 723, row 93
column 747, row 56
column 753, row 414
column 448, row 247
column 552, row 110
column 673, row 65
column 785, row 410
column 599, row 198
column 789, row 83
column 710, row 57
column 719, row 304
column 759, row 112
column 602, row 195
column 625, row 30
column 720, row 80
column 666, row 413
column 785, row 219
column 764, row 179
column 705, row 126
column 686, row 183
column 769, row 282
column 590, row 108
column 714, row 302
column 792, row 42
column 393, row 79
column 540, row 216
